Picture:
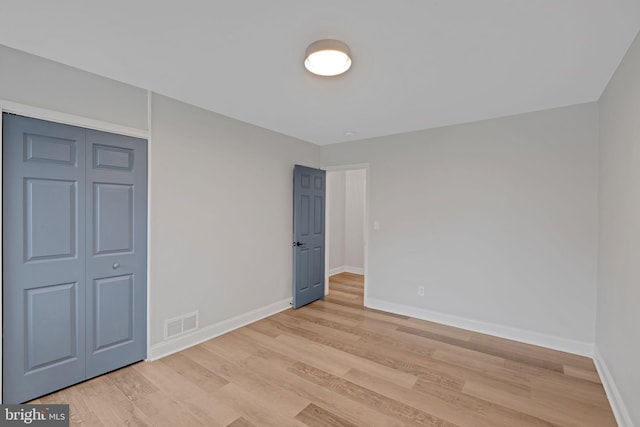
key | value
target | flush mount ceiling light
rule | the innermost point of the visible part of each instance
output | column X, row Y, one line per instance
column 328, row 57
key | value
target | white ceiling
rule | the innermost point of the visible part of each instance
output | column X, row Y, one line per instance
column 416, row 64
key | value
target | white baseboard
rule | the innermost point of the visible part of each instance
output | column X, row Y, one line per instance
column 346, row 269
column 337, row 270
column 543, row 340
column 353, row 270
column 620, row 410
column 183, row 342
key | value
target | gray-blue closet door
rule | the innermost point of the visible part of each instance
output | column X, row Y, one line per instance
column 43, row 257
column 116, row 251
column 309, row 189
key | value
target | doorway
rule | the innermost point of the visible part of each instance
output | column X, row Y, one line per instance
column 347, row 232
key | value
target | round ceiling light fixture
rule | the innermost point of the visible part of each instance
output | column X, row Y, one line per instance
column 328, row 57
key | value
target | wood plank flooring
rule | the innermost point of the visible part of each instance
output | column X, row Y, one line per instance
column 334, row 363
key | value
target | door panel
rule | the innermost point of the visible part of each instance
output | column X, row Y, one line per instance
column 302, row 271
column 51, row 318
column 113, row 218
column 43, row 257
column 48, row 149
column 116, row 265
column 308, row 233
column 318, row 267
column 110, row 157
column 318, row 215
column 114, row 311
column 304, row 216
column 50, row 218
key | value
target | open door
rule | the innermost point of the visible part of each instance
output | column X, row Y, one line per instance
column 309, row 191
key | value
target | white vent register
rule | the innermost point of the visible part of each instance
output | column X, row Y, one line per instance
column 180, row 325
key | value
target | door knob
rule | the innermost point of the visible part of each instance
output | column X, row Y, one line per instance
column 298, row 244
column 115, row 266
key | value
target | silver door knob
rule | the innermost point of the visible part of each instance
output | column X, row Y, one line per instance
column 115, row 266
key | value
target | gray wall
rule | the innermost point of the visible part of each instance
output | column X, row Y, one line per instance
column 336, row 210
column 618, row 318
column 496, row 219
column 221, row 214
column 354, row 218
column 37, row 82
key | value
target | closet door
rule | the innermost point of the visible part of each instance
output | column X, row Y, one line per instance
column 43, row 257
column 74, row 255
column 116, row 251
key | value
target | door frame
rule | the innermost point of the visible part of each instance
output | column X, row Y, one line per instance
column 349, row 167
column 7, row 106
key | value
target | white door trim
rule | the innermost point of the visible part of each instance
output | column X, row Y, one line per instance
column 7, row 106
column 70, row 119
column 354, row 166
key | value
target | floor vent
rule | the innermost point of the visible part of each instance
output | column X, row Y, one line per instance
column 180, row 325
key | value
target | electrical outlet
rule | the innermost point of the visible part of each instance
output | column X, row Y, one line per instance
column 421, row 291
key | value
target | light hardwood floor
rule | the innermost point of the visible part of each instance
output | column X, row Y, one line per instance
column 334, row 363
